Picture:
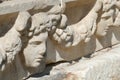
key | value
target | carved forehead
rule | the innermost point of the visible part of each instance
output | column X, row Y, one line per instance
column 41, row 37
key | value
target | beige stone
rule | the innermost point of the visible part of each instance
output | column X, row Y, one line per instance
column 66, row 36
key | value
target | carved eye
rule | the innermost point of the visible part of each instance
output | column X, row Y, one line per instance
column 35, row 43
column 40, row 24
column 54, row 20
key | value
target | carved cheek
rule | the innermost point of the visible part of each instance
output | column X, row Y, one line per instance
column 29, row 55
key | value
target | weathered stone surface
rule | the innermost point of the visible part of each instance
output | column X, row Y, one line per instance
column 11, row 6
column 103, row 65
column 51, row 39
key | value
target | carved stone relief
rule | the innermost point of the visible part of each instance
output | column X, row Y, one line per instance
column 36, row 40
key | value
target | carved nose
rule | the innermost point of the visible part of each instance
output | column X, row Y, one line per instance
column 42, row 52
column 42, row 48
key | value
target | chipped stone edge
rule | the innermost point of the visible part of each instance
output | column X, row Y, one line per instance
column 21, row 5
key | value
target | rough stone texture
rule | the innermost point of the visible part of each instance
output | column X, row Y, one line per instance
column 103, row 65
column 11, row 6
column 59, row 39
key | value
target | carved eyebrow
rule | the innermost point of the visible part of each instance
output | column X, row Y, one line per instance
column 35, row 42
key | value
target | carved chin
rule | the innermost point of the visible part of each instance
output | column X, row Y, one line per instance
column 36, row 63
column 37, row 66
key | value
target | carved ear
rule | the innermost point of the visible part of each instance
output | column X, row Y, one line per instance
column 57, row 9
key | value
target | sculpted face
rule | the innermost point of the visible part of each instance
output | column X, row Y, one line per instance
column 102, row 28
column 36, row 48
column 105, row 22
column 35, row 51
